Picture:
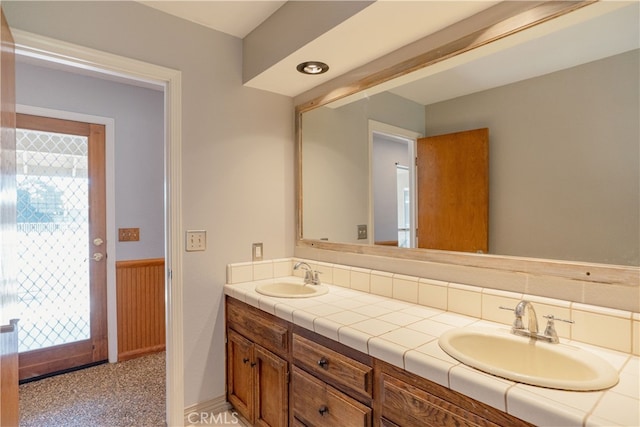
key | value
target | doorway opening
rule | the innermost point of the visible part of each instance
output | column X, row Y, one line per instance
column 109, row 66
column 392, row 198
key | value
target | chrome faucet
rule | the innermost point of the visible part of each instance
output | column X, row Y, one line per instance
column 531, row 314
column 310, row 276
column 549, row 335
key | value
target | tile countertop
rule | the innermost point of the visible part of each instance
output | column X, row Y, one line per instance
column 406, row 335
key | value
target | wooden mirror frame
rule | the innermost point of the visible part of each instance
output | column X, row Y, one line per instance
column 512, row 17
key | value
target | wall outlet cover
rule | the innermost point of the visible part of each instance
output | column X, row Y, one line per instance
column 362, row 231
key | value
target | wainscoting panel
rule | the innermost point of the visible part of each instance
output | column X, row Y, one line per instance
column 140, row 291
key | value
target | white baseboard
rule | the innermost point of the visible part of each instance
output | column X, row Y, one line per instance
column 203, row 411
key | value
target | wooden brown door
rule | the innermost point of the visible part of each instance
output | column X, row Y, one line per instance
column 9, row 412
column 61, row 221
column 453, row 191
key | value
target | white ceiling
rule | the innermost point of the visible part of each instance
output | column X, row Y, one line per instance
column 378, row 29
column 237, row 17
column 387, row 25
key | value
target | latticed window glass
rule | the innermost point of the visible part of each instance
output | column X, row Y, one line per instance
column 52, row 216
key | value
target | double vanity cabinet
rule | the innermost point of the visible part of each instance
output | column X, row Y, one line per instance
column 280, row 374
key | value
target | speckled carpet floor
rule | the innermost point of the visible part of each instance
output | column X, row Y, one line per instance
column 126, row 394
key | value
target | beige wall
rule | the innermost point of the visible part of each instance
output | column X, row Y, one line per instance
column 564, row 161
column 336, row 162
column 238, row 154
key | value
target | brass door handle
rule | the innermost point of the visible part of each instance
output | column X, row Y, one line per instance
column 97, row 257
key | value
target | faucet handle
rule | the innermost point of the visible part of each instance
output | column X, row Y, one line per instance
column 316, row 279
column 550, row 330
column 517, row 323
column 551, row 318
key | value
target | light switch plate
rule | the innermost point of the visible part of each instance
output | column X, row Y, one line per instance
column 196, row 240
column 257, row 252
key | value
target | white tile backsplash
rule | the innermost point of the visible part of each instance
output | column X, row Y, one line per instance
column 405, row 288
column 341, row 276
column 433, row 293
column 465, row 300
column 381, row 283
column 602, row 329
column 360, row 279
column 610, row 328
column 263, row 270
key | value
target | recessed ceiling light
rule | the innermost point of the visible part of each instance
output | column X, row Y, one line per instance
column 312, row 67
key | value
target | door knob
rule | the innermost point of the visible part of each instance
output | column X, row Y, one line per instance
column 98, row 241
column 97, row 256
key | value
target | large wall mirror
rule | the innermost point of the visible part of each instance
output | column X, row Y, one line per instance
column 561, row 103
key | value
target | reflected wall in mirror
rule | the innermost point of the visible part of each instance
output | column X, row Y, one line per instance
column 563, row 113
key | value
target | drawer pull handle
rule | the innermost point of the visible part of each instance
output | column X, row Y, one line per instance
column 323, row 410
column 324, row 363
column 245, row 360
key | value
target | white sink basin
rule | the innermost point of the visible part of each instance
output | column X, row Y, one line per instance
column 528, row 361
column 291, row 289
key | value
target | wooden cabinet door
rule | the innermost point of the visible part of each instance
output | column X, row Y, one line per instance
column 240, row 384
column 453, row 191
column 271, row 393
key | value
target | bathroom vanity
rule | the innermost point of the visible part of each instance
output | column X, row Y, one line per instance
column 281, row 374
column 375, row 357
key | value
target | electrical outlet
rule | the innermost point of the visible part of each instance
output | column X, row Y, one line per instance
column 128, row 234
column 362, row 231
column 196, row 240
column 256, row 252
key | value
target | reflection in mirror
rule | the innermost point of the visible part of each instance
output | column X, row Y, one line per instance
column 393, row 188
column 403, row 202
column 563, row 116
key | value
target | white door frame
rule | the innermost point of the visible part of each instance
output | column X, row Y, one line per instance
column 119, row 67
column 412, row 137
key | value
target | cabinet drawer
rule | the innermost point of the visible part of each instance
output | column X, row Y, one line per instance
column 332, row 366
column 318, row 404
column 268, row 331
column 405, row 404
